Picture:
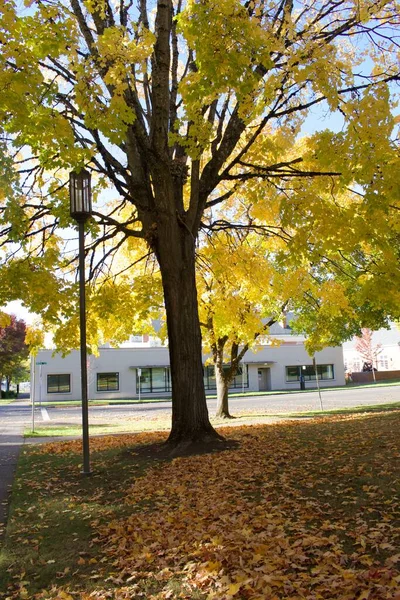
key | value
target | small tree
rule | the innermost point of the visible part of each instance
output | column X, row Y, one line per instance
column 239, row 299
column 20, row 373
column 13, row 350
column 367, row 349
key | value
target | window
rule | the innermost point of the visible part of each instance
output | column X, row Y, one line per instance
column 154, row 379
column 383, row 362
column 324, row 372
column 136, row 338
column 58, row 384
column 292, row 373
column 159, row 379
column 107, row 382
column 240, row 380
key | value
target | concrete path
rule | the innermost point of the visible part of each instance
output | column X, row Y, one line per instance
column 14, row 417
column 11, row 440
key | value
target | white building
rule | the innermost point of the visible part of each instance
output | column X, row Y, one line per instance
column 388, row 358
column 128, row 372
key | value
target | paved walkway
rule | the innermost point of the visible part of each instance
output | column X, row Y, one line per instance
column 11, row 440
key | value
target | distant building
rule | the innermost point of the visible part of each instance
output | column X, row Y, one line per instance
column 141, row 367
column 388, row 358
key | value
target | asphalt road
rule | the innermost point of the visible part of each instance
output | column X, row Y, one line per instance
column 19, row 414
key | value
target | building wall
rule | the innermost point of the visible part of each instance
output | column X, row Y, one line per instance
column 126, row 361
column 277, row 358
column 388, row 358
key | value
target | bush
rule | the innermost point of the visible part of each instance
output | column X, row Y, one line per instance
column 7, row 395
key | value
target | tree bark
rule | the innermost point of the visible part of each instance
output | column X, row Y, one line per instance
column 175, row 248
column 223, row 383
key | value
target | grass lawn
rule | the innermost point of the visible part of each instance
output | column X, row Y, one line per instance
column 162, row 421
column 129, row 425
column 302, row 510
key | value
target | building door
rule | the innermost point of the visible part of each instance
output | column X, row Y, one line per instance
column 264, row 379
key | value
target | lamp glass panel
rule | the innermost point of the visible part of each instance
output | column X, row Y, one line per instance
column 80, row 193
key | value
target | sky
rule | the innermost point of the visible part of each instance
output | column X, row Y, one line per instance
column 21, row 312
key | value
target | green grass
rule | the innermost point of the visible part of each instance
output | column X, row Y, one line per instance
column 39, row 520
column 162, row 423
column 387, row 383
column 390, row 406
column 374, row 408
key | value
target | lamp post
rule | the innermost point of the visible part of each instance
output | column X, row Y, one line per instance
column 81, row 209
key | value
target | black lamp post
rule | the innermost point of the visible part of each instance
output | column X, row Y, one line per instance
column 81, row 209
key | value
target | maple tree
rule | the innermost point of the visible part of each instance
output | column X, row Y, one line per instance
column 240, row 297
column 179, row 106
column 368, row 350
column 18, row 374
column 13, row 350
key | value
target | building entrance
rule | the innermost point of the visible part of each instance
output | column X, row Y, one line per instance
column 264, row 379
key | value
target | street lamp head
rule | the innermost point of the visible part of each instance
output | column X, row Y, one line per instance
column 80, row 195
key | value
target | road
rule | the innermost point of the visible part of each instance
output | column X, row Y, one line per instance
column 19, row 414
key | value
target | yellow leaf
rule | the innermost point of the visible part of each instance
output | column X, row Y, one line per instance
column 234, row 588
column 64, row 596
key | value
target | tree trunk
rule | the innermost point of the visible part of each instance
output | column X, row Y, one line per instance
column 175, row 249
column 223, row 383
column 8, row 381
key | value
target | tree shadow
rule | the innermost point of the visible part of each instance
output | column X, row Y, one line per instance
column 164, row 451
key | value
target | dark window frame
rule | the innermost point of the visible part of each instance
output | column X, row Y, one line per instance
column 148, row 387
column 113, row 374
column 309, row 372
column 58, row 391
column 237, row 382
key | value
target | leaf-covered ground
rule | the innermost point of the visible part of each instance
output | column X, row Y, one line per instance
column 300, row 510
